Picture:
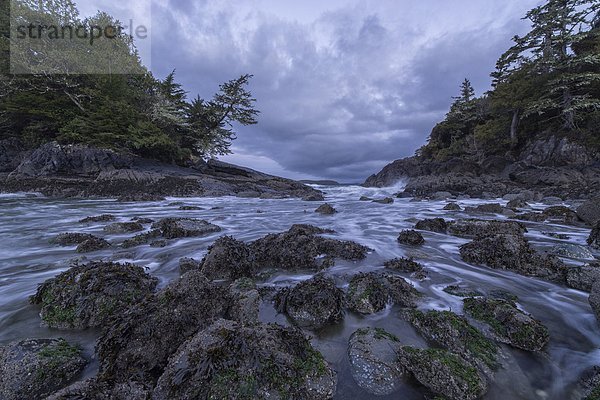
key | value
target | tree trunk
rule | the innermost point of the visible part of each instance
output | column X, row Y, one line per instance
column 513, row 127
column 568, row 115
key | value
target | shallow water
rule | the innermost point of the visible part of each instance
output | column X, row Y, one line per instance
column 27, row 223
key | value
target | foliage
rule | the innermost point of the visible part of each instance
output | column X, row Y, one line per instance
column 119, row 105
column 548, row 81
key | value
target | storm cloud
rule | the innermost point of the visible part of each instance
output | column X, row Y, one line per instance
column 344, row 87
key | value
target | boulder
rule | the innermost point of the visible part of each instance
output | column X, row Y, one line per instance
column 301, row 248
column 230, row 259
column 452, row 207
column 234, row 361
column 516, row 204
column 411, row 238
column 387, row 200
column 512, row 252
column 365, row 198
column 374, row 365
column 139, row 342
column 462, row 291
column 94, row 389
column 441, row 195
column 589, row 212
column 245, row 301
column 437, row 225
column 444, row 373
column 312, row 304
column 92, row 244
column 594, row 238
column 190, row 208
column 98, row 218
column 123, row 227
column 313, row 197
column 90, row 295
column 326, row 209
column 454, row 333
column 173, row 228
column 572, row 251
column 473, row 228
column 372, row 292
column 142, row 238
column 36, row 368
column 508, row 324
column 404, row 265
column 71, row 239
column 583, row 277
column 493, row 208
column 594, row 298
column 189, row 264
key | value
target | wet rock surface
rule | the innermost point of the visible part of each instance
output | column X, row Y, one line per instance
column 228, row 258
column 92, row 244
column 123, row 227
column 326, row 209
column 589, row 212
column 141, row 340
column 444, row 373
column 492, row 208
column 245, row 301
column 411, row 238
column 90, row 295
column 71, row 239
column 173, row 228
column 452, row 207
column 374, row 365
column 36, row 368
column 512, row 252
column 594, row 298
column 594, row 238
column 405, row 265
column 98, row 218
column 235, row 361
column 312, row 304
column 583, row 277
column 437, row 225
column 472, row 228
column 372, row 292
column 508, row 323
column 572, row 251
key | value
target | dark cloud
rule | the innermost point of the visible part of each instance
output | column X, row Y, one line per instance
column 343, row 94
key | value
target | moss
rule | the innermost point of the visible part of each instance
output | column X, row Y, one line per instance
column 55, row 355
column 383, row 334
column 594, row 395
column 481, row 311
column 455, row 365
column 57, row 316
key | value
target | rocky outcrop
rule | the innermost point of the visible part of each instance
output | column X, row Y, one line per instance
column 326, row 209
column 438, row 225
column 313, row 303
column 374, row 365
column 90, row 295
column 508, row 324
column 80, row 171
column 372, row 292
column 550, row 166
column 36, row 368
column 233, row 361
column 411, row 238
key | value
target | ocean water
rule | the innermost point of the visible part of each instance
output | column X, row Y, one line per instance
column 28, row 222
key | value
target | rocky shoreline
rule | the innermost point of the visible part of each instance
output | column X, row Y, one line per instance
column 210, row 314
column 551, row 167
column 84, row 172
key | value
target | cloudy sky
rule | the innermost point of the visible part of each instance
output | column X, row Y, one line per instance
column 344, row 86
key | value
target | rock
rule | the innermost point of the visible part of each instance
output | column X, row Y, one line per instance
column 123, row 227
column 594, row 298
column 142, row 238
column 71, row 239
column 11, row 154
column 36, row 368
column 387, row 200
column 92, row 244
column 552, row 200
column 508, row 323
column 583, row 277
column 441, row 195
column 140, row 340
column 92, row 294
column 245, row 301
column 454, row 333
column 572, row 251
column 140, row 197
column 556, row 235
column 98, row 218
column 512, row 252
column 411, row 238
column 174, row 228
column 462, row 291
column 326, row 209
column 189, row 264
column 190, row 208
column 443, row 372
column 94, row 389
column 561, row 214
column 371, row 293
column 374, row 362
column 365, row 198
column 404, row 265
column 301, row 248
column 516, row 204
column 312, row 304
column 589, row 212
column 594, row 238
column 588, row 387
column 473, row 228
column 452, row 207
column 438, row 225
column 230, row 259
column 142, row 220
column 314, row 197
column 493, row 208
column 233, row 361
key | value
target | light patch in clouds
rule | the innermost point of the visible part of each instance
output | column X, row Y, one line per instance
column 344, row 87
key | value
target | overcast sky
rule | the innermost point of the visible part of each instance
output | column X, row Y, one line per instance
column 344, row 87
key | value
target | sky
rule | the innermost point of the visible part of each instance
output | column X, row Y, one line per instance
column 344, row 87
